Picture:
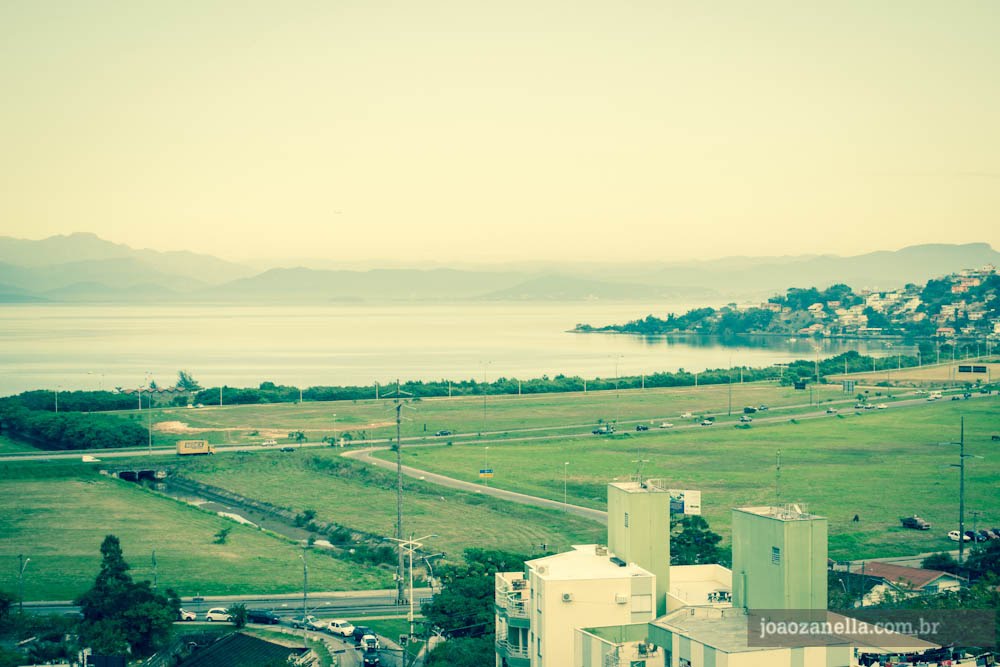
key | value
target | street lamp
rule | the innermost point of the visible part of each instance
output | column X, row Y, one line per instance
column 411, row 545
column 22, row 563
column 486, row 467
column 565, row 472
column 305, row 594
column 961, row 487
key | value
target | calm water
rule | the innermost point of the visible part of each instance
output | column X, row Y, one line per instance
column 91, row 347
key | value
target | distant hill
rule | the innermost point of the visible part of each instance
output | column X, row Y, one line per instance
column 83, row 267
column 569, row 288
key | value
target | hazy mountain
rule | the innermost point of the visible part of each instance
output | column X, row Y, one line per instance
column 93, row 292
column 79, row 248
column 11, row 294
column 569, row 288
column 113, row 273
column 300, row 284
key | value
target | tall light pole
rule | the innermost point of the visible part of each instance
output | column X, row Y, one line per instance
column 410, row 546
column 485, row 366
column 486, row 459
column 618, row 394
column 565, row 473
column 305, row 594
column 22, row 563
column 961, row 487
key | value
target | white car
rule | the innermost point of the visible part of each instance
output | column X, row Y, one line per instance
column 953, row 535
column 309, row 622
column 881, row 406
column 666, row 425
column 339, row 626
column 707, row 422
column 687, row 415
column 268, row 443
column 185, row 615
column 218, row 614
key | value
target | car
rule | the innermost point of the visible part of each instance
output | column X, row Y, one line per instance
column 859, row 406
column 217, row 614
column 869, row 406
column 360, row 631
column 287, row 449
column 749, row 410
column 707, row 422
column 881, row 406
column 967, row 395
column 983, row 536
column 339, row 626
column 687, row 415
column 956, row 398
column 308, row 622
column 954, row 536
column 831, row 411
column 666, row 425
column 262, row 616
column 444, row 431
column 370, row 642
column 269, row 443
column 371, row 659
column 971, row 536
column 762, row 408
column 746, row 419
column 915, row 522
column 603, row 430
column 641, row 427
column 185, row 615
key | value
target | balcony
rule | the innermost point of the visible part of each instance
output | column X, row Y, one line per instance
column 511, row 597
column 516, row 656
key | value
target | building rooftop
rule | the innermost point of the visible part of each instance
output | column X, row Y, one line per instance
column 902, row 576
column 701, row 584
column 585, row 561
column 649, row 486
column 787, row 512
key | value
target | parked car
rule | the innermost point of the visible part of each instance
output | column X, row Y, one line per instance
column 687, row 415
column 978, row 537
column 340, row 627
column 370, row 642
column 217, row 614
column 984, row 535
column 268, row 443
column 309, row 622
column 444, row 431
column 262, row 616
column 859, row 406
column 954, row 536
column 749, row 410
column 881, row 406
column 831, row 411
column 970, row 536
column 707, row 422
column 287, row 449
column 666, row 425
column 604, row 429
column 641, row 427
column 185, row 615
column 915, row 522
column 956, row 398
column 762, row 408
column 746, row 419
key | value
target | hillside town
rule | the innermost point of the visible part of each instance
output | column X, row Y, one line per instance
column 963, row 305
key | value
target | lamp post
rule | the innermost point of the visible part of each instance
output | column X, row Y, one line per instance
column 22, row 563
column 411, row 545
column 305, row 594
column 565, row 473
column 486, row 466
column 961, row 487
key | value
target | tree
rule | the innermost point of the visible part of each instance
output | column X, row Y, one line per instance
column 297, row 436
column 185, row 382
column 464, row 607
column 121, row 616
column 222, row 535
column 985, row 559
column 462, row 652
column 6, row 604
column 942, row 562
column 692, row 543
column 238, row 614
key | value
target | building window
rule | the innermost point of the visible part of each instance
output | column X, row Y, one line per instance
column 775, row 556
column 539, row 647
column 626, row 519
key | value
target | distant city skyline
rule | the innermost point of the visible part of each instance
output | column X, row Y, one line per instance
column 447, row 132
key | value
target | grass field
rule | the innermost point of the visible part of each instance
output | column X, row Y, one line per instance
column 375, row 419
column 58, row 516
column 880, row 465
column 8, row 446
column 362, row 497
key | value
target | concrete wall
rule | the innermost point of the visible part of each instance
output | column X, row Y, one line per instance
column 639, row 532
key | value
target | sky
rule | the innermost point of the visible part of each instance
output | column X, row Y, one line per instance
column 501, row 131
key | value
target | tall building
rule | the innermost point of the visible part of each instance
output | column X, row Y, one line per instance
column 779, row 558
column 639, row 530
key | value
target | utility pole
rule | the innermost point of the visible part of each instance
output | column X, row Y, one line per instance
column 155, row 581
column 777, row 478
column 398, row 398
column 305, row 595
column 565, row 473
column 485, row 366
column 410, row 546
column 22, row 563
column 961, row 487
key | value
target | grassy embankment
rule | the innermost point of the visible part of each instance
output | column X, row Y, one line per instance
column 573, row 411
column 880, row 465
column 58, row 514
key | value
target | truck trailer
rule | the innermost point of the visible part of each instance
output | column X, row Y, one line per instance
column 191, row 447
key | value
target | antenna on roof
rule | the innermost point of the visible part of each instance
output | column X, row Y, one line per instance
column 638, row 467
column 777, row 478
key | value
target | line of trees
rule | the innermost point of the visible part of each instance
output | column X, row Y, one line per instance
column 69, row 430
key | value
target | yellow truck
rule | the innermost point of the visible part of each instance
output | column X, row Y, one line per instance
column 190, row 447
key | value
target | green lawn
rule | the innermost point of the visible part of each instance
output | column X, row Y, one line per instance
column 880, row 465
column 363, row 498
column 58, row 516
column 250, row 424
column 8, row 446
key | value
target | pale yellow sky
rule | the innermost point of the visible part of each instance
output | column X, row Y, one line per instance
column 538, row 129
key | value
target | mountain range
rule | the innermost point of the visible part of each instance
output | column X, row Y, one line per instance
column 83, row 268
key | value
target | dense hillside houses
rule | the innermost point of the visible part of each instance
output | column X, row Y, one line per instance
column 961, row 305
